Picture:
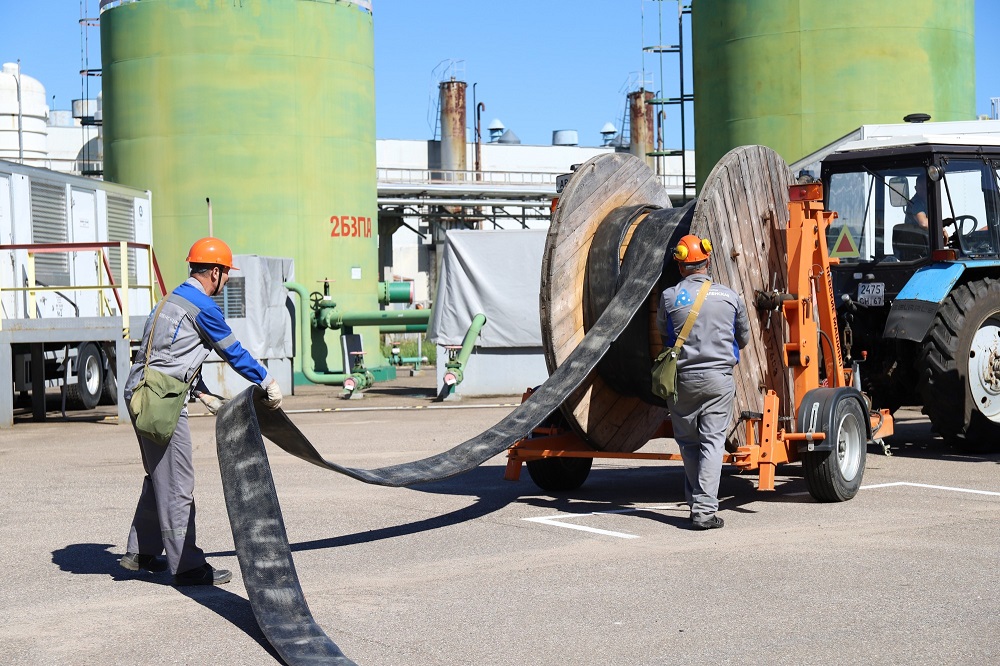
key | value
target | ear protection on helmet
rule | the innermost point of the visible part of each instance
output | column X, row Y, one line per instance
column 692, row 249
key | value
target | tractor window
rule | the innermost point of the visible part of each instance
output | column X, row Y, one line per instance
column 881, row 215
column 969, row 207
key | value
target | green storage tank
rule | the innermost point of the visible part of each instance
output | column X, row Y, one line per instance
column 268, row 108
column 795, row 75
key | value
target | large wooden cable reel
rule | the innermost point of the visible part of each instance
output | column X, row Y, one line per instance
column 742, row 209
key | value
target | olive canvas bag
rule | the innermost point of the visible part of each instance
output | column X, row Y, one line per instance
column 156, row 403
column 665, row 365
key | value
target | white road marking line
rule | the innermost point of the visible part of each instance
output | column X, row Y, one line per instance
column 912, row 485
column 925, row 485
column 555, row 521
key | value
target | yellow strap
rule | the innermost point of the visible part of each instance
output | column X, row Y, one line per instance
column 149, row 343
column 693, row 314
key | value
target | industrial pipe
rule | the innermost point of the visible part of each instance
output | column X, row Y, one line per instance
column 395, row 292
column 455, row 367
column 403, row 328
column 329, row 317
column 305, row 326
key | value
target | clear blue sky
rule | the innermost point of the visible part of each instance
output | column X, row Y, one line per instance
column 540, row 65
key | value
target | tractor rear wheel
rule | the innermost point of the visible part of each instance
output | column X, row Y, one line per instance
column 960, row 367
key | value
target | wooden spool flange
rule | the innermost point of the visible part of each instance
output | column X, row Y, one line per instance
column 743, row 210
column 607, row 420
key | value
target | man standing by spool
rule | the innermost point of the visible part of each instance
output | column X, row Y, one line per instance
column 179, row 335
column 718, row 327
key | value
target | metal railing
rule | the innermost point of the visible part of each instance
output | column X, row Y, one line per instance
column 437, row 176
column 119, row 291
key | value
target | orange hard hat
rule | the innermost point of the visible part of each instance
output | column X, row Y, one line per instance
column 211, row 251
column 692, row 250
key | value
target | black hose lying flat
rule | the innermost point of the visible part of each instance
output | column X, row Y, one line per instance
column 258, row 529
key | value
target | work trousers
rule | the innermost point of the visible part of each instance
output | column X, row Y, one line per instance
column 164, row 516
column 702, row 413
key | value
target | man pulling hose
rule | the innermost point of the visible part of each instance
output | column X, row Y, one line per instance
column 185, row 330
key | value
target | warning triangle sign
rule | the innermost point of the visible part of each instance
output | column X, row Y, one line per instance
column 845, row 245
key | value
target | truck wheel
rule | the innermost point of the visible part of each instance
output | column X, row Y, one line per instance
column 835, row 475
column 86, row 390
column 960, row 367
column 559, row 474
column 109, row 395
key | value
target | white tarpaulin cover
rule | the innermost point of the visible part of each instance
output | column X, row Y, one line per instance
column 497, row 273
column 266, row 329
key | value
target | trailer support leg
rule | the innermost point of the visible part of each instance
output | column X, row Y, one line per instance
column 768, row 458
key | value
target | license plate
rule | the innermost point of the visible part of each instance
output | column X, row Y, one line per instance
column 871, row 293
column 561, row 181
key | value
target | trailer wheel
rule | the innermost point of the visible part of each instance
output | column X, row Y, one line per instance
column 835, row 475
column 960, row 367
column 559, row 474
column 86, row 390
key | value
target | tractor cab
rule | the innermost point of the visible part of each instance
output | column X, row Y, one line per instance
column 901, row 207
column 917, row 278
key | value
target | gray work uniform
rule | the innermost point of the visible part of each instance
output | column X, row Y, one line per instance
column 705, row 388
column 190, row 326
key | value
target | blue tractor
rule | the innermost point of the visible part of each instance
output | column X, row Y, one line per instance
column 918, row 281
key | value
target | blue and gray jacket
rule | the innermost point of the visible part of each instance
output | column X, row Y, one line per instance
column 189, row 328
column 721, row 330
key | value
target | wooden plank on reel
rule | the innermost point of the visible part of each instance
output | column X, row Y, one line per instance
column 607, row 420
column 743, row 210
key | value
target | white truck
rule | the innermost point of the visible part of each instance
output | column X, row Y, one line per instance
column 67, row 308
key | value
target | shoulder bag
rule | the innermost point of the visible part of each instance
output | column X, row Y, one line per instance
column 157, row 402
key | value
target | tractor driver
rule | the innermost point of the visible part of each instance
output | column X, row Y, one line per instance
column 705, row 387
column 916, row 209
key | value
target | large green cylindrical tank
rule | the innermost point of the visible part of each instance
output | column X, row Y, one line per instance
column 268, row 108
column 795, row 75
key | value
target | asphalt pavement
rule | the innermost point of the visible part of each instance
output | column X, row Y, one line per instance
column 479, row 570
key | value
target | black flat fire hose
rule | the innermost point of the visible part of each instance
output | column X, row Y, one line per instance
column 258, row 528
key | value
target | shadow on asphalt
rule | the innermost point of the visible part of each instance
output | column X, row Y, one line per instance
column 97, row 559
column 606, row 489
column 914, row 438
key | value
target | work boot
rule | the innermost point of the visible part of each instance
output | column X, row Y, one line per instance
column 711, row 523
column 203, row 575
column 137, row 561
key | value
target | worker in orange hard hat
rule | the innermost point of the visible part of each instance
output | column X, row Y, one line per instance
column 179, row 335
column 707, row 325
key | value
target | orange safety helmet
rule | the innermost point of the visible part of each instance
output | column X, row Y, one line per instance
column 211, row 251
column 692, row 250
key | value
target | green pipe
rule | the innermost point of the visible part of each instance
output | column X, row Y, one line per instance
column 403, row 328
column 329, row 317
column 456, row 368
column 395, row 292
column 305, row 326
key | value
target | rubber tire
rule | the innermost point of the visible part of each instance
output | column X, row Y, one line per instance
column 824, row 470
column 84, row 393
column 944, row 382
column 559, row 474
column 109, row 393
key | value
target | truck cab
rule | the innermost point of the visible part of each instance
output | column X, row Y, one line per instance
column 918, row 226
